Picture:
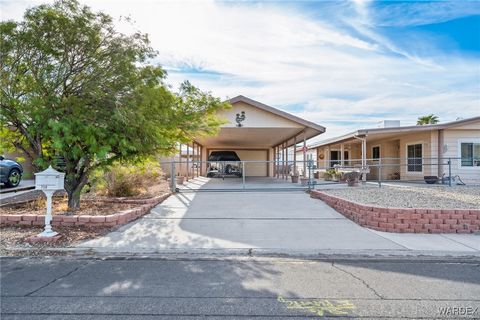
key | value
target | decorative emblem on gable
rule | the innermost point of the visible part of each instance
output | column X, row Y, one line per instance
column 240, row 118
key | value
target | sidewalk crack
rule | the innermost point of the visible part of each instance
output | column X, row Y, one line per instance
column 81, row 266
column 360, row 279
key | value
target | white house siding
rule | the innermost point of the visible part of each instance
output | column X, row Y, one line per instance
column 255, row 118
column 451, row 149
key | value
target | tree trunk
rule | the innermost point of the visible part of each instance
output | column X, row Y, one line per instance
column 73, row 200
column 74, row 188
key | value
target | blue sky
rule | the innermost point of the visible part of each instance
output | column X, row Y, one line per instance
column 342, row 64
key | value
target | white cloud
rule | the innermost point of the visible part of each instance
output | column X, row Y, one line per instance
column 282, row 56
column 420, row 13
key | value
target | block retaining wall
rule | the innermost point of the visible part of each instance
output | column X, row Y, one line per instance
column 404, row 220
column 111, row 220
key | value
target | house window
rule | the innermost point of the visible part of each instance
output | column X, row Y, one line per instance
column 470, row 154
column 335, row 158
column 376, row 153
column 414, row 160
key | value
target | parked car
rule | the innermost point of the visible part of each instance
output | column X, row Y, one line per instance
column 10, row 172
column 224, row 163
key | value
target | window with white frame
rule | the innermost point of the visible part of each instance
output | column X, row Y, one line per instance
column 470, row 154
column 414, row 157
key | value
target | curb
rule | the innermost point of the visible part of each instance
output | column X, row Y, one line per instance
column 7, row 190
column 225, row 254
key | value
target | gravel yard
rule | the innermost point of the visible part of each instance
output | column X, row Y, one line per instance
column 435, row 197
column 15, row 237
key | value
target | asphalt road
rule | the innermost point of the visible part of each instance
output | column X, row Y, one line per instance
column 243, row 288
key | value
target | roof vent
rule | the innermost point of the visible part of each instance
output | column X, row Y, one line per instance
column 389, row 124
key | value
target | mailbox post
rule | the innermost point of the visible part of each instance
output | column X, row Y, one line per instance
column 49, row 181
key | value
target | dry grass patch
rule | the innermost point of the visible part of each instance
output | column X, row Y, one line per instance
column 60, row 207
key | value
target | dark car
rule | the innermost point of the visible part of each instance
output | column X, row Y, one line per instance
column 10, row 172
column 224, row 163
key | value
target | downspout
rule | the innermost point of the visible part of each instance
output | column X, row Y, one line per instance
column 364, row 157
column 440, row 153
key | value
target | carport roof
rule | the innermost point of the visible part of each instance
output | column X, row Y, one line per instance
column 265, row 127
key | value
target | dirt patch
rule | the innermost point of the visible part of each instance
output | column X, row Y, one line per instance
column 15, row 237
column 60, row 207
column 458, row 197
column 34, row 203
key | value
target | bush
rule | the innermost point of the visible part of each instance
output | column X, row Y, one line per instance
column 126, row 179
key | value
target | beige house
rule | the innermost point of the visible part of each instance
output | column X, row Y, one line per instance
column 408, row 153
column 263, row 136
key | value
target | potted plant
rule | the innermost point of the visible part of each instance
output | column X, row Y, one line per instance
column 335, row 177
column 327, row 176
column 352, row 178
column 304, row 180
column 334, row 174
column 294, row 175
column 180, row 179
column 430, row 179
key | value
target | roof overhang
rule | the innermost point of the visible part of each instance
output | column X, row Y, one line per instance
column 389, row 133
column 272, row 128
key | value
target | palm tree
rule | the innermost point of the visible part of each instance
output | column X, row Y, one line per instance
column 430, row 119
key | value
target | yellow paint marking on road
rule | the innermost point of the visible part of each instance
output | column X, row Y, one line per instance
column 320, row 307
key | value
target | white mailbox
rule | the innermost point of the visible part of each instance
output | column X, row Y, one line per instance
column 49, row 181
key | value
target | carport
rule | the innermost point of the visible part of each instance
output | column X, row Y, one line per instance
column 265, row 139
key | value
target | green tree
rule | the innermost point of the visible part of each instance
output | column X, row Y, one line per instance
column 430, row 119
column 77, row 94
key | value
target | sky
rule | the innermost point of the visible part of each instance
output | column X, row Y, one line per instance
column 345, row 65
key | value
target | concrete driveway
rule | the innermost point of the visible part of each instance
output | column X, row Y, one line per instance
column 278, row 222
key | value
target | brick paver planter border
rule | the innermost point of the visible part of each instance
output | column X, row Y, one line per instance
column 404, row 220
column 119, row 218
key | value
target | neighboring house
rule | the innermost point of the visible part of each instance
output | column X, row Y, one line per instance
column 261, row 135
column 408, row 152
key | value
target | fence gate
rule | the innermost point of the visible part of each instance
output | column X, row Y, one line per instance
column 237, row 176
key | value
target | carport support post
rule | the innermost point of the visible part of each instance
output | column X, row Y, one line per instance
column 193, row 160
column 188, row 158
column 294, row 154
column 243, row 174
column 304, row 149
column 275, row 160
column 173, row 179
column 180, row 159
column 286, row 159
column 199, row 161
column 279, row 154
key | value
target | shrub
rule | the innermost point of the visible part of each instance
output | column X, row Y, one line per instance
column 127, row 179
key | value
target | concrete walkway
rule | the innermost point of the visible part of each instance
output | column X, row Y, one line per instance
column 266, row 222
